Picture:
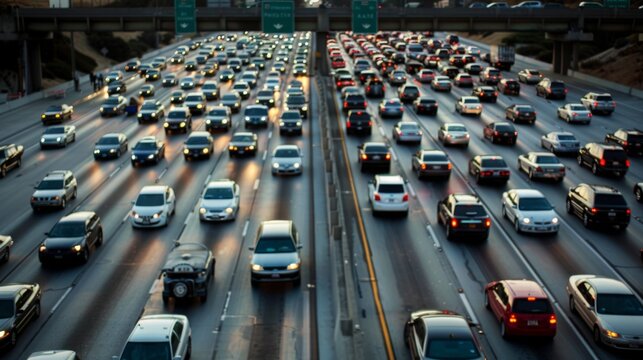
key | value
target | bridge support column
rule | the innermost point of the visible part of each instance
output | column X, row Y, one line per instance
column 32, row 65
column 565, row 52
column 320, row 52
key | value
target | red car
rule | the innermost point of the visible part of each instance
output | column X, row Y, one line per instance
column 343, row 81
column 522, row 308
column 337, row 63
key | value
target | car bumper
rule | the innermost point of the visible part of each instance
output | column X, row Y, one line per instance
column 54, row 255
column 533, row 331
column 539, row 229
column 391, row 113
column 52, row 144
column 287, row 170
column 427, row 110
column 390, row 207
column 144, row 160
column 556, row 175
column 471, row 111
column 623, row 343
column 456, row 141
column 410, row 138
column 216, row 216
column 435, row 173
column 46, row 203
column 275, row 275
column 150, row 223
column 290, row 130
column 105, row 155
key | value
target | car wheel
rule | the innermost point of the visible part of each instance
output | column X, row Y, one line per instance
column 504, row 212
column 517, row 225
column 75, row 193
column 594, row 169
column 14, row 338
column 503, row 329
column 531, row 174
column 638, row 194
column 19, row 163
column 586, row 222
column 37, row 310
column 597, row 336
column 85, row 257
column 5, row 255
column 63, row 203
column 572, row 305
column 486, row 300
column 73, row 139
column 579, row 160
column 99, row 239
column 118, row 153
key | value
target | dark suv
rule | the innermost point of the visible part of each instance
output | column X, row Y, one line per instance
column 598, row 205
column 485, row 93
column 509, row 87
column 188, row 269
column 72, row 238
column 20, row 306
column 374, row 154
column 551, row 89
column 359, row 121
column 464, row 215
column 631, row 140
column 375, row 88
column 354, row 102
column 603, row 158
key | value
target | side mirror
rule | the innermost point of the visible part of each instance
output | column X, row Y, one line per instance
column 299, row 246
column 47, row 234
column 251, row 248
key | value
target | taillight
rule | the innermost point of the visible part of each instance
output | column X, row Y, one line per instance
column 549, row 90
column 364, row 157
column 370, row 123
column 348, row 124
column 454, row 223
column 377, row 197
column 487, row 223
column 602, row 162
column 368, row 88
column 628, row 212
column 365, row 104
column 574, row 114
column 595, row 104
column 405, row 197
column 566, row 90
column 449, row 166
column 627, row 163
column 504, row 173
column 562, row 170
column 515, row 133
column 594, row 210
column 388, row 156
column 496, row 133
column 495, row 93
column 339, row 83
column 423, row 166
column 590, row 114
column 552, row 320
column 625, row 143
column 512, row 319
column 345, row 103
column 614, row 103
column 539, row 169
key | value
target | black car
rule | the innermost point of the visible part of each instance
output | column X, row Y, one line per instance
column 19, row 306
column 266, row 97
column 375, row 88
column 485, row 93
column 148, row 150
column 604, row 159
column 56, row 114
column 463, row 215
column 178, row 119
column 188, row 270
column 114, row 105
column 10, row 158
column 177, row 97
column 255, row 116
column 199, row 145
column 509, row 87
column 110, row 146
column 290, row 122
column 354, row 102
column 489, row 168
column 501, row 132
column 366, row 75
column 631, row 140
column 425, row 105
column 359, row 121
column 450, row 71
column 298, row 102
column 598, row 205
column 151, row 110
column 243, row 143
column 457, row 61
column 116, row 87
column 408, row 93
column 521, row 113
column 374, row 154
column 218, row 118
column 72, row 239
column 551, row 89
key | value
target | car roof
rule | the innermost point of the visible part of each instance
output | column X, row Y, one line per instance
column 78, row 216
column 432, row 151
column 10, row 290
column 153, row 189
column 193, row 254
column 528, row 193
column 150, row 138
column 603, row 189
column 524, row 289
column 609, row 146
column 285, row 146
column 56, row 174
column 446, row 326
column 178, row 108
column 199, row 134
column 389, row 179
column 220, row 183
column 153, row 328
column 275, row 228
column 608, row 286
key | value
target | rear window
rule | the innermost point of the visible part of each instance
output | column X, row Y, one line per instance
column 493, row 72
column 566, row 137
column 614, row 155
column 427, row 101
column 434, row 157
column 604, row 98
column 504, row 127
column 635, row 138
column 411, row 90
column 537, row 306
column 391, row 188
column 534, row 72
column 376, row 149
column 354, row 98
column 494, row 163
column 557, row 85
column 524, row 108
column 470, row 210
column 610, row 200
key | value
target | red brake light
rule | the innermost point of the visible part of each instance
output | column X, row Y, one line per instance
column 405, row 197
column 487, row 223
column 566, row 90
column 368, row 88
column 454, row 223
column 495, row 93
column 339, row 83
column 627, row 163
column 496, row 133
column 594, row 210
column 365, row 104
column 512, row 319
column 602, row 162
column 628, row 212
column 515, row 133
column 531, row 298
column 370, row 123
column 348, row 124
column 449, row 166
column 539, row 169
column 388, row 156
column 377, row 197
column 595, row 103
column 625, row 143
column 345, row 103
column 552, row 320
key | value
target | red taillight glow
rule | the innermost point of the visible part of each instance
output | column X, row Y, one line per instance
column 539, row 169
column 370, row 123
column 388, row 156
column 345, row 103
column 348, row 124
column 454, row 223
column 339, row 83
column 364, row 157
column 512, row 319
column 627, row 163
column 377, row 197
column 594, row 210
column 496, row 133
column 628, row 212
column 449, row 166
column 602, row 162
column 625, row 143
column 487, row 223
column 423, row 166
column 531, row 298
column 504, row 173
column 552, row 320
column 405, row 197
column 595, row 104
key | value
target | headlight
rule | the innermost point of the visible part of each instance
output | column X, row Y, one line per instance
column 247, row 118
column 257, row 267
column 224, row 121
column 206, row 150
column 264, row 118
column 251, row 147
column 612, row 334
column 166, row 124
column 236, row 104
column 153, row 114
column 150, row 156
column 229, row 210
column 96, row 151
column 232, row 147
column 58, row 138
column 102, row 109
column 281, row 123
column 296, row 165
column 135, row 215
column 207, row 121
column 271, row 100
column 76, row 248
column 57, row 115
column 275, row 165
column 293, row 266
column 298, row 123
column 42, row 248
column 202, row 210
column 112, row 150
column 139, row 115
column 157, row 215
column 186, row 151
column 133, row 157
column 55, row 198
column 526, row 220
column 43, row 116
column 42, row 139
column 245, row 93
column 554, row 220
column 114, row 108
column 199, row 106
column 305, row 108
column 118, row 88
column 182, row 124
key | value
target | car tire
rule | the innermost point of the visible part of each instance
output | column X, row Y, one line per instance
column 517, row 226
column 37, row 310
column 486, row 300
column 118, row 153
column 63, row 203
column 572, row 306
column 579, row 160
column 99, row 239
column 5, row 255
column 254, row 283
column 586, row 221
column 85, row 256
column 594, row 169
column 503, row 329
column 596, row 336
column 638, row 194
column 531, row 174
column 74, row 195
column 504, row 212
column 14, row 338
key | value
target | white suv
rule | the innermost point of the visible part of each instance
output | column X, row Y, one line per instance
column 220, row 201
column 159, row 337
column 153, row 206
column 55, row 190
column 388, row 193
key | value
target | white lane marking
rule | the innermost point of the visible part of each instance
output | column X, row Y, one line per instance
column 187, row 219
column 436, row 241
column 394, row 154
column 265, row 154
column 411, row 190
column 381, row 130
column 245, row 228
column 225, row 307
column 154, row 285
column 53, row 309
column 126, row 217
column 256, row 185
column 468, row 307
column 161, row 175
column 270, row 135
column 207, row 180
column 114, row 172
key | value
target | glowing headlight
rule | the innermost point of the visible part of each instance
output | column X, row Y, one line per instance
column 612, row 334
column 247, row 118
column 281, row 123
column 206, row 150
column 166, row 124
column 554, row 220
column 245, row 93
column 232, row 147
column 182, row 124
column 76, row 248
column 186, row 151
column 526, row 220
column 257, row 267
column 305, row 108
column 275, row 165
column 150, row 156
column 296, row 165
column 112, row 150
column 271, row 100
column 133, row 157
column 96, row 151
column 135, row 215
column 57, row 115
column 202, row 210
column 58, row 138
column 153, row 114
column 43, row 116
column 207, row 121
column 42, row 248
column 139, row 115
column 157, row 215
column 199, row 106
column 229, row 210
column 251, row 147
column 293, row 266
column 264, row 118
column 236, row 104
column 42, row 139
column 114, row 108
column 298, row 123
column 224, row 121
column 118, row 88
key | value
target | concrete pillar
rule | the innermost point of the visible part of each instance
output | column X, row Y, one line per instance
column 575, row 56
column 320, row 53
column 556, row 56
column 566, row 57
column 32, row 66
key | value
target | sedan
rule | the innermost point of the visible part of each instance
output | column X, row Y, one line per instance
column 521, row 113
column 441, row 83
column 391, row 108
column 425, row 105
column 147, row 150
column 58, row 136
column 226, row 75
column 529, row 211
column 574, row 113
column 169, row 80
column 153, row 207
column 220, row 201
column 110, row 145
column 530, row 76
column 407, row 131
column 114, row 105
column 243, row 143
column 454, row 134
column 468, row 105
column 57, row 113
column 287, row 160
column 431, row 163
column 231, row 100
column 397, row 77
column 609, row 308
column 152, row 110
column 218, row 118
column 463, row 80
column 187, row 83
column 489, row 168
column 146, row 91
column 374, row 154
column 541, row 165
column 20, row 304
column 177, row 97
column 560, row 142
column 199, row 145
column 116, row 87
column 501, row 132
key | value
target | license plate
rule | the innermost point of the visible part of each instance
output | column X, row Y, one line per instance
column 532, row 322
column 275, row 276
column 241, row 151
column 615, row 163
column 505, row 134
column 58, row 257
column 437, row 166
column 376, row 157
column 472, row 226
column 146, row 221
column 611, row 213
column 359, row 128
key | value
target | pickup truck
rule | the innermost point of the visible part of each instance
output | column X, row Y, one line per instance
column 6, row 242
column 10, row 157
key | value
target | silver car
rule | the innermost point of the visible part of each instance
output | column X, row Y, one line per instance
column 275, row 256
column 161, row 337
column 572, row 113
column 560, row 142
column 609, row 308
column 407, row 131
column 220, row 201
column 58, row 136
column 391, row 108
column 287, row 159
column 468, row 105
column 541, row 165
column 55, row 190
column 529, row 211
column 453, row 134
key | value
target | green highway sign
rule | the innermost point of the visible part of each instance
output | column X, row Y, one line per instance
column 364, row 16
column 278, row 17
column 617, row 4
column 185, row 16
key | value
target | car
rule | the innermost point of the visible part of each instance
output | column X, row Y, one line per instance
column 143, row 69
column 178, row 119
column 113, row 76
column 490, row 76
column 190, row 65
column 220, row 201
column 361, row 65
column 58, row 136
column 160, row 337
column 374, row 154
column 56, row 114
column 431, row 163
column 521, row 113
column 279, row 66
column 152, row 75
column 463, row 80
column 339, row 72
column 425, row 105
column 598, row 205
column 56, row 189
column 348, row 90
column 188, row 270
column 485, row 93
column 489, row 168
column 604, row 159
column 609, row 308
column 397, row 77
column 500, row 132
column 276, row 253
column 54, row 355
column 151, row 110
column 146, row 90
column 266, row 97
column 259, row 63
column 530, row 76
column 631, row 140
column 463, row 215
column 243, row 143
column 529, row 4
column 132, row 65
column 453, row 134
column 20, row 305
column 6, row 242
column 272, row 83
column 148, row 149
column 211, row 90
column 509, row 87
column 522, row 307
column 187, row 83
column 391, row 108
column 474, row 68
column 560, row 142
column 198, row 145
column 299, row 70
column 299, row 103
column 408, row 93
column 407, row 131
column 242, row 88
column 209, row 70
column 287, row 160
column 10, row 158
column 231, row 100
column 153, row 207
column 114, row 105
column 250, row 78
column 110, row 145
column 344, row 80
column 425, row 75
column 218, row 118
column 359, row 121
column 169, row 80
column 290, row 122
column 573, row 113
column 177, row 59
column 256, row 115
column 72, row 239
column 551, row 89
column 226, row 75
column 457, row 60
column 599, row 103
column 541, row 165
column 529, row 211
column 450, row 71
column 196, row 103
column 366, row 75
column 388, row 193
column 468, row 105
column 441, row 83
column 177, row 97
column 354, row 102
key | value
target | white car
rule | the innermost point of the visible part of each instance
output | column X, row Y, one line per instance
column 454, row 134
column 58, row 136
column 529, row 211
column 220, row 201
column 388, row 193
column 574, row 113
column 159, row 337
column 469, row 105
column 153, row 206
column 473, row 50
column 407, row 131
column 287, row 159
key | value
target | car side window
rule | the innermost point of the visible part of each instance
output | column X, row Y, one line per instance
column 175, row 342
column 502, row 295
column 418, row 325
column 20, row 299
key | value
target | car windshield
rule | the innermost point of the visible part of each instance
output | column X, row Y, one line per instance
column 177, row 93
column 217, row 112
column 68, row 229
column 391, row 188
column 197, row 140
column 359, row 116
column 242, row 138
column 286, row 153
column 547, row 160
column 240, row 87
column 147, row 145
column 218, row 193
column 524, row 108
column 176, row 115
column 376, row 149
column 148, row 107
column 111, row 102
column 493, row 163
column 270, row 245
column 558, row 85
column 187, row 80
column 194, row 98
column 533, row 72
column 534, row 204
column 470, row 210
column 296, row 100
column 108, row 140
column 256, row 111
column 434, row 157
column 291, row 115
column 409, row 127
column 452, row 349
column 55, row 130
column 609, row 200
column 150, row 200
column 6, row 309
column 50, row 185
column 265, row 93
column 618, row 304
column 457, row 128
column 411, row 90
column 147, row 351
column 504, row 127
column 577, row 108
column 54, row 108
column 209, row 87
column 567, row 137
column 229, row 97
column 535, row 306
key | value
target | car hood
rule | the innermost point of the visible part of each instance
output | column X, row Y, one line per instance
column 275, row 259
column 192, row 103
column 6, row 324
column 175, row 120
column 147, row 210
column 623, row 324
column 106, row 147
column 47, row 193
column 147, row 111
column 241, row 143
column 52, row 136
column 63, row 242
column 216, row 118
column 52, row 112
column 287, row 161
column 217, row 204
column 539, row 215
